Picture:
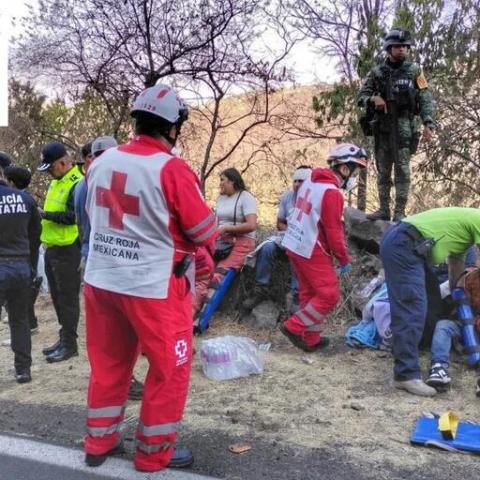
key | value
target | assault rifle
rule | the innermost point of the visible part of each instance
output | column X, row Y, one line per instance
column 391, row 117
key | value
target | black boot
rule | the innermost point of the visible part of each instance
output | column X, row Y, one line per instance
column 260, row 294
column 97, row 460
column 135, row 391
column 66, row 350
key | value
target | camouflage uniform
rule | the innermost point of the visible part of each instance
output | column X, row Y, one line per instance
column 412, row 98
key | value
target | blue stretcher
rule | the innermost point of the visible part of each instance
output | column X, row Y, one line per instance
column 206, row 314
column 467, row 439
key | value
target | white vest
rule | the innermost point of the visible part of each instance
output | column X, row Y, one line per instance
column 302, row 231
column 131, row 247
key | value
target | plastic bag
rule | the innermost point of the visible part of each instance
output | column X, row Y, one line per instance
column 228, row 357
column 44, row 287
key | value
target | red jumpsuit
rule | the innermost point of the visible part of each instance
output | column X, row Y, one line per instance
column 147, row 214
column 317, row 279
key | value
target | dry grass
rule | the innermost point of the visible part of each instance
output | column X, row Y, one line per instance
column 292, row 402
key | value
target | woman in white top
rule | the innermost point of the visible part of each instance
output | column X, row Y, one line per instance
column 236, row 212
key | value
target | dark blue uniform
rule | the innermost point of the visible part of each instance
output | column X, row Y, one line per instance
column 20, row 229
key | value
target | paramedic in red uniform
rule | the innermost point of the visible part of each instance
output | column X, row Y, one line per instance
column 314, row 238
column 147, row 218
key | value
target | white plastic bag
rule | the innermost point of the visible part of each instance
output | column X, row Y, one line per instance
column 228, row 357
column 44, row 288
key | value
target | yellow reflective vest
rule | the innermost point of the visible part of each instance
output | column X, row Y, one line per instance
column 57, row 234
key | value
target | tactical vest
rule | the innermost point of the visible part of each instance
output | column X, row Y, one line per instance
column 403, row 88
column 57, row 234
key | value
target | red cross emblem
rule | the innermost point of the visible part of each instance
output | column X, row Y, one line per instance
column 303, row 205
column 117, row 201
column 181, row 348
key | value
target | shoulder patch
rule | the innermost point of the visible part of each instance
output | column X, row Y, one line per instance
column 421, row 81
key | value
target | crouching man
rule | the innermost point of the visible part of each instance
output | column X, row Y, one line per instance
column 407, row 251
column 315, row 237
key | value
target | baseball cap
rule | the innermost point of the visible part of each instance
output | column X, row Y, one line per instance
column 5, row 160
column 51, row 152
column 19, row 176
column 101, row 144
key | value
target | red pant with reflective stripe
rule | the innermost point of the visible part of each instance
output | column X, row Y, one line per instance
column 319, row 293
column 117, row 325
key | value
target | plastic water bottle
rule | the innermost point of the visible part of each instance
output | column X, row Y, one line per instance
column 470, row 337
column 229, row 357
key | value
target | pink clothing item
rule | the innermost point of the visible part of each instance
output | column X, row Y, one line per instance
column 242, row 246
column 201, row 291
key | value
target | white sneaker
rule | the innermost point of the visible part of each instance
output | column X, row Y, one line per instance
column 415, row 387
column 438, row 376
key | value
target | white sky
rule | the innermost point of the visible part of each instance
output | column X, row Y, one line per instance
column 308, row 65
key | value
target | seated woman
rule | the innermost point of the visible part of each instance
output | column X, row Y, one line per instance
column 236, row 212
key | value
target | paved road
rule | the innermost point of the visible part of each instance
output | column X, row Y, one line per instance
column 268, row 459
column 24, row 459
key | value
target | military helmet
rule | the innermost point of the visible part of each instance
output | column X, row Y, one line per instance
column 397, row 36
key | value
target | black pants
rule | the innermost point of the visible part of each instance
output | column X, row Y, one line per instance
column 61, row 268
column 15, row 281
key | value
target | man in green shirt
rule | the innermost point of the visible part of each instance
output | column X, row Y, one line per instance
column 408, row 250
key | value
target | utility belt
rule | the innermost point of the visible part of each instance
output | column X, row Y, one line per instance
column 423, row 246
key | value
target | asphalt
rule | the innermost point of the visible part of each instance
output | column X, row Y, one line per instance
column 64, row 427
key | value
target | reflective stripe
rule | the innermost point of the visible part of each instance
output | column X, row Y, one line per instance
column 160, row 429
column 205, row 235
column 105, row 412
column 315, row 328
column 199, row 226
column 101, row 431
column 303, row 317
column 156, row 447
column 314, row 313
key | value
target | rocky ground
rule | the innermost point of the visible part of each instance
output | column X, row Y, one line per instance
column 333, row 414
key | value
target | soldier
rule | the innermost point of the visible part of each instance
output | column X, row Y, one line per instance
column 395, row 93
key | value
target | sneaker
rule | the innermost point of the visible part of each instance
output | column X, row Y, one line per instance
column 398, row 216
column 415, row 387
column 438, row 376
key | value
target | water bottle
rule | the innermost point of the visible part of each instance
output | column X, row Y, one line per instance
column 229, row 357
column 470, row 337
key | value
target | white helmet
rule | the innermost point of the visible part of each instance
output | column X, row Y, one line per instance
column 162, row 101
column 348, row 153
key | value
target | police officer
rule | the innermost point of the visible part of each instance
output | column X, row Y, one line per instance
column 20, row 177
column 62, row 254
column 403, row 83
column 19, row 242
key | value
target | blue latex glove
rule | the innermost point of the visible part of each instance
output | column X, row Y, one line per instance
column 345, row 269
